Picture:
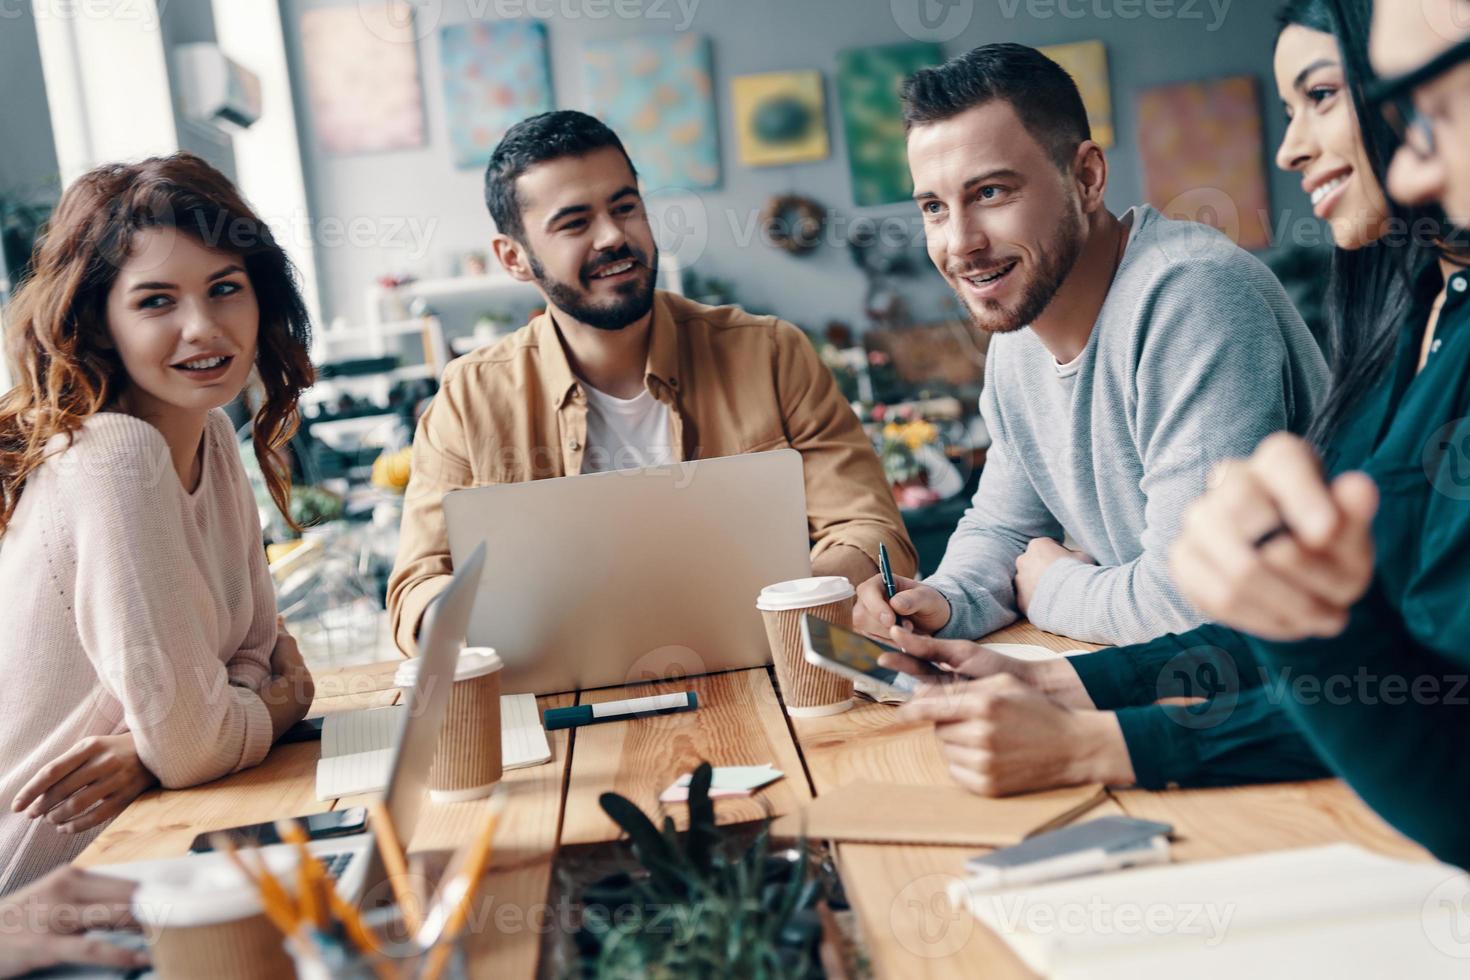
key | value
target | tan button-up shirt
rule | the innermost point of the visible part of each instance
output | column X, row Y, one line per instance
column 734, row 383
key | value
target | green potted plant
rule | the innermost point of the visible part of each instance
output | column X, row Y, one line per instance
column 699, row 905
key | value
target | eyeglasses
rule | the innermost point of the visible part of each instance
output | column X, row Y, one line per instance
column 1394, row 98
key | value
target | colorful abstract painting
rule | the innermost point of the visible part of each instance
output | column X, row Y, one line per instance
column 1204, row 156
column 780, row 117
column 362, row 73
column 869, row 81
column 657, row 94
column 1087, row 63
column 495, row 75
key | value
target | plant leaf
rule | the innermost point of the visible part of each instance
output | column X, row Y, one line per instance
column 652, row 849
column 702, row 833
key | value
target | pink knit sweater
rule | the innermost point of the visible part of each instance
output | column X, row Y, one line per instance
column 129, row 604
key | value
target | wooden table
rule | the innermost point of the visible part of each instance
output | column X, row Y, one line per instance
column 907, row 924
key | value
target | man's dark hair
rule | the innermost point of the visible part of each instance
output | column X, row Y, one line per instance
column 1041, row 92
column 548, row 136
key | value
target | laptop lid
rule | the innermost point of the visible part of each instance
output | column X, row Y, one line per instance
column 634, row 575
column 426, row 704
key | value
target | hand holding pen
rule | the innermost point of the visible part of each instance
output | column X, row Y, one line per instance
column 886, row 600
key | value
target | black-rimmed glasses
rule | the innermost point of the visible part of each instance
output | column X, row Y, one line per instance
column 1394, row 98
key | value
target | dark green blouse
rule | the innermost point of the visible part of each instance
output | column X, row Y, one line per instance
column 1239, row 734
column 1387, row 703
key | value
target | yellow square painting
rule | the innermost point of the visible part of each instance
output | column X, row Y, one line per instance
column 1087, row 63
column 780, row 117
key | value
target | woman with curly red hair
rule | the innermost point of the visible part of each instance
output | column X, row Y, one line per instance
column 141, row 640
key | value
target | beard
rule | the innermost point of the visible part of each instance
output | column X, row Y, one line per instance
column 1056, row 257
column 633, row 301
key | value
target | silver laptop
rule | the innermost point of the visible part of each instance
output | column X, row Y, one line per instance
column 634, row 575
column 354, row 861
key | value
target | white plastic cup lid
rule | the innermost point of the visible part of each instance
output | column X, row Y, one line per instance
column 205, row 891
column 803, row 593
column 473, row 662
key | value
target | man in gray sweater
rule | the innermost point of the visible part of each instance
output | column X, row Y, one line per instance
column 1129, row 356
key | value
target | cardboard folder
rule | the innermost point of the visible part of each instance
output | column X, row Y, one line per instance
column 895, row 814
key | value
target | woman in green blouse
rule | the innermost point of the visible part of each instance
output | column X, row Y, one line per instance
column 1351, row 571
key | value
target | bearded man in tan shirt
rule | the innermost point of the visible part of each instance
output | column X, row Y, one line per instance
column 617, row 374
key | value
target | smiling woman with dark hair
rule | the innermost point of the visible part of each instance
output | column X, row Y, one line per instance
column 143, row 644
column 1350, row 569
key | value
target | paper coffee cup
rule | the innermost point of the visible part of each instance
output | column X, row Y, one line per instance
column 207, row 922
column 467, row 763
column 806, row 689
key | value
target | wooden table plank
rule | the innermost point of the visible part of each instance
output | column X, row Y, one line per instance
column 1234, row 820
column 908, row 926
column 865, row 744
column 739, row 722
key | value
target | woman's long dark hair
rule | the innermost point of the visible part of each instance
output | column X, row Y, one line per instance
column 1371, row 289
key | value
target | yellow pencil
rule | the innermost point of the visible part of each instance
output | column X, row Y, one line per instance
column 311, row 877
column 474, row 870
column 284, row 918
column 272, row 892
column 277, row 907
column 392, row 850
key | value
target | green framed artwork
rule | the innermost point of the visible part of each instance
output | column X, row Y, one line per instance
column 869, row 81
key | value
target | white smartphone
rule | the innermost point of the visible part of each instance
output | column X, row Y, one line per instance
column 851, row 654
column 1090, row 847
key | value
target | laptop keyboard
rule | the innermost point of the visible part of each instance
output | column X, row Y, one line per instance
column 335, row 864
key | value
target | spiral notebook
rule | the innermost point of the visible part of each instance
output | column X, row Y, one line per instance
column 357, row 746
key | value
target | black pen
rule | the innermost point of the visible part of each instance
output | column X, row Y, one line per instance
column 886, row 571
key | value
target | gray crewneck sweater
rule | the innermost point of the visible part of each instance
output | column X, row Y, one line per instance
column 1197, row 355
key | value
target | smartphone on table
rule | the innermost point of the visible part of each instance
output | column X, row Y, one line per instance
column 319, row 826
column 855, row 656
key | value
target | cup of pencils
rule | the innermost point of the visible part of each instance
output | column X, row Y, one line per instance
column 467, row 764
column 206, row 922
column 299, row 925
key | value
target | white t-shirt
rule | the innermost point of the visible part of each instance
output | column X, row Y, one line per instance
column 625, row 433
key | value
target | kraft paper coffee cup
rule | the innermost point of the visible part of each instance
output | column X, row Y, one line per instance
column 467, row 763
column 806, row 689
column 208, row 922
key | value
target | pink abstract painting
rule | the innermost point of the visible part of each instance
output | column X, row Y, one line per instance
column 1204, row 156
column 362, row 72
